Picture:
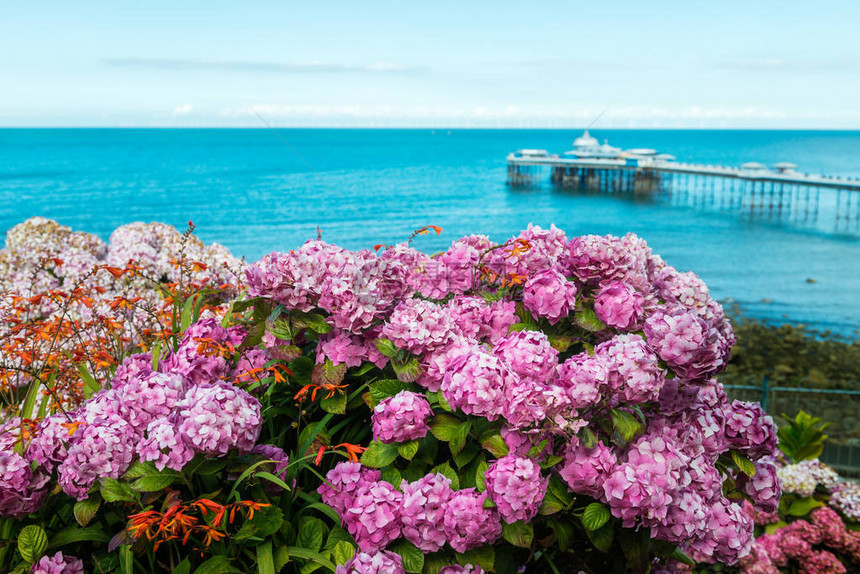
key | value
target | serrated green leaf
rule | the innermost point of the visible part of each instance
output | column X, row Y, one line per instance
column 379, row 454
column 328, row 374
column 335, row 404
column 407, row 371
column 217, row 565
column 312, row 533
column 386, row 347
column 518, row 533
column 496, row 446
column 153, row 483
column 559, row 488
column 381, row 390
column 458, row 441
column 138, row 469
column 563, row 531
column 282, row 557
column 745, row 465
column 443, row 402
column 602, row 538
column 313, row 321
column 803, row 506
column 413, row 558
column 391, row 475
column 484, row 556
column 445, row 470
column 113, row 490
column 625, row 423
column 481, row 476
column 32, row 543
column 444, row 426
column 342, row 552
column 587, row 319
column 551, row 461
column 85, row 510
column 587, row 438
column 408, row 450
column 465, row 456
column 550, row 505
column 280, row 328
column 595, row 516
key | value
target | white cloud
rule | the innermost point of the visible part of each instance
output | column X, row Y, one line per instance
column 312, row 67
column 182, row 110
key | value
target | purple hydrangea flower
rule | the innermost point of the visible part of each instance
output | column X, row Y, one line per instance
column 401, row 418
column 49, row 447
column 634, row 371
column 550, row 295
column 584, row 378
column 58, row 564
column 375, row 563
column 691, row 347
column 528, row 354
column 619, row 305
column 419, row 326
column 423, row 511
column 374, row 518
column 343, row 481
column 750, row 429
column 457, row 569
column 517, row 487
column 585, row 470
column 103, row 449
column 147, row 397
column 22, row 490
column 763, row 488
column 468, row 524
column 165, row 446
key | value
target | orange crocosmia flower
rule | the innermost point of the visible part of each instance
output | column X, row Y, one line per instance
column 436, row 228
column 211, row 535
column 320, row 453
column 352, row 450
column 252, row 506
column 72, row 426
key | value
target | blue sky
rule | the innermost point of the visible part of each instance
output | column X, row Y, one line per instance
column 753, row 64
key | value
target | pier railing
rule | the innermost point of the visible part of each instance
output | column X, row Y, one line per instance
column 808, row 199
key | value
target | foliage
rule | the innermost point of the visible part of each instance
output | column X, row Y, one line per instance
column 803, row 437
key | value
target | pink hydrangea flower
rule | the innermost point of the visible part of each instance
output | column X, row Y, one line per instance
column 419, row 326
column 550, row 295
column 634, row 372
column 619, row 305
column 219, row 417
column 475, row 383
column 343, row 481
column 584, row 378
column 517, row 487
column 457, row 569
column 468, row 524
column 373, row 563
column 528, row 354
column 585, row 470
column 103, row 449
column 401, row 418
column 148, row 397
column 750, row 429
column 763, row 488
column 374, row 518
column 165, row 446
column 58, row 564
column 423, row 511
column 691, row 347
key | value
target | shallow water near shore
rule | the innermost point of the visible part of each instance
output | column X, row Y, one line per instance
column 257, row 191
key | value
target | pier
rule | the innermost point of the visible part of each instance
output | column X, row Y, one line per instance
column 754, row 191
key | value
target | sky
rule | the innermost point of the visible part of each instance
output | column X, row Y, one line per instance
column 662, row 64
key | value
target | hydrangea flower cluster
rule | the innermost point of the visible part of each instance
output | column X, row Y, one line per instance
column 58, row 564
column 583, row 329
column 806, row 546
column 376, row 563
column 845, row 497
column 168, row 416
column 806, row 476
column 401, row 418
column 426, row 512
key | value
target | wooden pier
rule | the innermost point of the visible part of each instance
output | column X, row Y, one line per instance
column 756, row 193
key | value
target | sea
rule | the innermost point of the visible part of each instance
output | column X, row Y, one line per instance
column 262, row 190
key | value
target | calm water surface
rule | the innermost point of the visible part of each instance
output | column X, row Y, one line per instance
column 254, row 193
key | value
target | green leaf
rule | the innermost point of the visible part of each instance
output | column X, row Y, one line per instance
column 563, row 531
column 433, row 563
column 32, row 543
column 407, row 371
column 465, row 456
column 443, row 402
column 379, row 454
column 138, row 469
column 211, row 466
column 126, row 559
column 282, row 557
column 745, row 465
column 391, row 475
column 551, row 461
column 587, row 319
column 183, row 567
column 74, row 534
column 413, row 558
column 280, row 328
column 342, row 552
column 484, row 556
column 85, row 510
column 496, row 446
column 335, row 404
column 91, row 386
column 595, row 516
column 559, row 488
column 444, row 426
column 803, row 506
column 519, row 533
column 276, row 480
column 316, row 557
column 408, row 450
column 327, row 373
column 551, row 505
column 445, row 470
column 602, row 537
column 458, row 441
column 265, row 559
column 481, row 476
column 217, row 565
column 312, row 533
column 681, row 556
column 771, row 528
column 153, row 483
column 266, row 522
column 113, row 490
column 386, row 347
column 313, row 321
column 625, row 423
column 587, row 438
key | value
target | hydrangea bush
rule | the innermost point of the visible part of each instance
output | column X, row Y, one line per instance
column 542, row 404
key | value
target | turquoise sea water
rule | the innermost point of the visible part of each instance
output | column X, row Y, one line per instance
column 257, row 191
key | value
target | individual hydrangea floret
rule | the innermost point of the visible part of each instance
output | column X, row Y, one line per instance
column 373, row 563
column 619, row 305
column 468, row 524
column 401, row 418
column 550, row 295
column 58, row 564
column 343, row 481
column 374, row 518
column 423, row 511
column 517, row 487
